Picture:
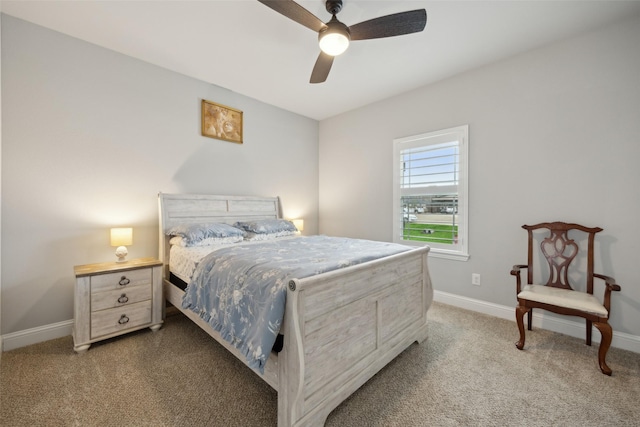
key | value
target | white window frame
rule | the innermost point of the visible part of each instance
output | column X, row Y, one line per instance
column 461, row 134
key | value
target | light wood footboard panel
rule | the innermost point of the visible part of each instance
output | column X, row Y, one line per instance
column 344, row 326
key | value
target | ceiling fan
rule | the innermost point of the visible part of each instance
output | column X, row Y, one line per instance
column 334, row 36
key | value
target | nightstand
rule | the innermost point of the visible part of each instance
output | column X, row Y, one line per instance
column 114, row 298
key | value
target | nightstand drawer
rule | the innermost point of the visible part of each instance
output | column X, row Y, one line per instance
column 118, row 319
column 122, row 280
column 120, row 297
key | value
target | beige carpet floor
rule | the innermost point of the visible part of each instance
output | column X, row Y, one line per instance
column 467, row 373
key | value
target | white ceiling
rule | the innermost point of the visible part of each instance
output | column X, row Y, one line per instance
column 248, row 48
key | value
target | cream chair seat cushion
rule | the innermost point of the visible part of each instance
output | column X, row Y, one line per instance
column 564, row 298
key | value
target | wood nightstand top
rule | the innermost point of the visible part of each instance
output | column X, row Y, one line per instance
column 110, row 267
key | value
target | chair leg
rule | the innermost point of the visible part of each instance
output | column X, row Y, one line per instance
column 589, row 324
column 520, row 312
column 530, row 319
column 605, row 343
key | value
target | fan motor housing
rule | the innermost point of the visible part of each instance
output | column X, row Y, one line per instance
column 333, row 6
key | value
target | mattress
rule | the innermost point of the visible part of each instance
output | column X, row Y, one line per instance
column 183, row 261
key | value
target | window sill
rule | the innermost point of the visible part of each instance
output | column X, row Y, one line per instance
column 456, row 256
column 438, row 252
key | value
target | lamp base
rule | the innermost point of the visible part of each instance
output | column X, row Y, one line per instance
column 122, row 253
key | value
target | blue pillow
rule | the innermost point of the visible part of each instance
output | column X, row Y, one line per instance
column 193, row 233
column 266, row 226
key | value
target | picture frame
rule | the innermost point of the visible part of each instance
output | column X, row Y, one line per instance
column 221, row 122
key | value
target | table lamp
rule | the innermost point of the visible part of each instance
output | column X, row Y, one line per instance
column 299, row 223
column 121, row 237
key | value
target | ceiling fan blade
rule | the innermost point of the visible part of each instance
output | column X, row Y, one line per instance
column 322, row 68
column 396, row 24
column 294, row 11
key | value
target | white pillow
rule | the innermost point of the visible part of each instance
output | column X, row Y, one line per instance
column 209, row 241
column 267, row 236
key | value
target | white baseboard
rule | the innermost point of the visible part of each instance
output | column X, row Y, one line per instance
column 540, row 320
column 563, row 326
column 35, row 335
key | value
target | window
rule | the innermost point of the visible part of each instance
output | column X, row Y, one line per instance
column 430, row 197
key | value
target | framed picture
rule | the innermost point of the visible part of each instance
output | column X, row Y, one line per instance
column 221, row 122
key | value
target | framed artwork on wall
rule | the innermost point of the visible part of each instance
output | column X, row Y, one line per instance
column 221, row 122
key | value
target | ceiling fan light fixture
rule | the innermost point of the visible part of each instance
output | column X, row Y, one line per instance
column 334, row 39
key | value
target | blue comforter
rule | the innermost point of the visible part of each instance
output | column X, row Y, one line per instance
column 241, row 290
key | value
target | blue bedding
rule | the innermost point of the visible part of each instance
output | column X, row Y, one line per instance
column 241, row 290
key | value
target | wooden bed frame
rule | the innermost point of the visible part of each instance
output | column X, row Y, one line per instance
column 340, row 328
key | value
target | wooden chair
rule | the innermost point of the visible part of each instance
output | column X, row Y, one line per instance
column 557, row 295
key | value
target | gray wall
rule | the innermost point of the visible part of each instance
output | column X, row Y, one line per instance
column 90, row 136
column 554, row 135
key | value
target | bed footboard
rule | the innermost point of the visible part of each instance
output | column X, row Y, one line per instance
column 344, row 326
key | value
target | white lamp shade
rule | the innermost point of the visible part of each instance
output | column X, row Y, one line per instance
column 299, row 223
column 121, row 236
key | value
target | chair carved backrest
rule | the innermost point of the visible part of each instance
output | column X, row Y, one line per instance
column 559, row 251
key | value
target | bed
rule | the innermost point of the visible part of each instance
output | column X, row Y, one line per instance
column 340, row 327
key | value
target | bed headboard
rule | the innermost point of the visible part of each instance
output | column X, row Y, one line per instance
column 175, row 209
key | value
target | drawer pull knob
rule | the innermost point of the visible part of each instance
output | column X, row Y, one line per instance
column 123, row 298
column 124, row 281
column 123, row 319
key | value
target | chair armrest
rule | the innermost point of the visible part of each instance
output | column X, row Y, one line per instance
column 515, row 271
column 610, row 282
column 610, row 285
